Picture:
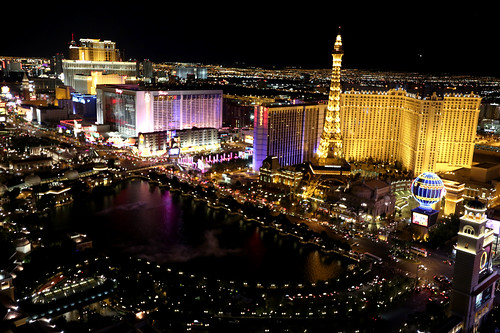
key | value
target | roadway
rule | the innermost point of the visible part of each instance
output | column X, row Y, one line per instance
column 436, row 263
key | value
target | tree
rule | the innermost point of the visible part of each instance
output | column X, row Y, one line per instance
column 444, row 231
column 6, row 248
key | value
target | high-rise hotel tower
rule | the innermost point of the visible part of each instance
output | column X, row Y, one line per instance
column 94, row 56
column 289, row 132
column 133, row 109
column 425, row 133
column 94, row 50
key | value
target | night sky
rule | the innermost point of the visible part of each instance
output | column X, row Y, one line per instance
column 426, row 37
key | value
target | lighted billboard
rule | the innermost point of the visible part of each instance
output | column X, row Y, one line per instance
column 420, row 219
column 174, row 152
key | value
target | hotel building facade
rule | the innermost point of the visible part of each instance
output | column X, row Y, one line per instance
column 426, row 134
column 76, row 70
column 95, row 56
column 175, row 141
column 131, row 109
column 291, row 133
column 94, row 50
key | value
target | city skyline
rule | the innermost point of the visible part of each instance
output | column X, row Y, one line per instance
column 427, row 39
column 179, row 195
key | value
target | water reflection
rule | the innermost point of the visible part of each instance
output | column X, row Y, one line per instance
column 163, row 226
column 318, row 267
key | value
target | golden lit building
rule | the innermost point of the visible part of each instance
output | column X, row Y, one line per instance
column 481, row 181
column 95, row 62
column 84, row 74
column 454, row 196
column 330, row 151
column 86, row 84
column 426, row 134
column 272, row 175
column 94, row 50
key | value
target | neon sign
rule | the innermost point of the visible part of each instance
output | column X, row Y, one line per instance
column 484, row 260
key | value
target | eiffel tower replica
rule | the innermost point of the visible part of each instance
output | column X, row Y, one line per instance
column 329, row 158
column 328, row 165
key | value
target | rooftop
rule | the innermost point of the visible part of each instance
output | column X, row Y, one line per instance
column 136, row 87
column 486, row 165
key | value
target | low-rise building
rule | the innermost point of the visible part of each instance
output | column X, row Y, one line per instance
column 481, row 181
column 271, row 175
column 30, row 163
column 374, row 196
column 188, row 140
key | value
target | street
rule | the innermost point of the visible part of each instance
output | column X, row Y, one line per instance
column 435, row 263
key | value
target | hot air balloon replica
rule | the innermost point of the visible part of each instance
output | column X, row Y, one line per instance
column 427, row 189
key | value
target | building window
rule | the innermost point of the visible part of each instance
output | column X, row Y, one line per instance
column 468, row 230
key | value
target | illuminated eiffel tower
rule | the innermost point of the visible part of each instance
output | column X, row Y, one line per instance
column 329, row 158
column 328, row 165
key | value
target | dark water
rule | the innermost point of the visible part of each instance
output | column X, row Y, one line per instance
column 166, row 227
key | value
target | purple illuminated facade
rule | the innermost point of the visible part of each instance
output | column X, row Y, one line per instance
column 289, row 132
column 130, row 109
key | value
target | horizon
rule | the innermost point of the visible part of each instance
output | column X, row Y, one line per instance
column 428, row 39
column 243, row 65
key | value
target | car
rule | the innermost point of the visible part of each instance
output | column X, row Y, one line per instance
column 442, row 279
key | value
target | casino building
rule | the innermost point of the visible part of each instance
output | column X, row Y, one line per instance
column 425, row 133
column 291, row 133
column 132, row 109
column 78, row 72
column 93, row 62
column 91, row 49
column 174, row 142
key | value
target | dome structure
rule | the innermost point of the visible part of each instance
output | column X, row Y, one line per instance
column 475, row 204
column 427, row 189
column 361, row 190
column 32, row 180
column 100, row 166
column 3, row 189
column 71, row 174
column 475, row 210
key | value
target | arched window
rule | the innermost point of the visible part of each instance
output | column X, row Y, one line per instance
column 468, row 230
